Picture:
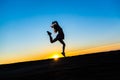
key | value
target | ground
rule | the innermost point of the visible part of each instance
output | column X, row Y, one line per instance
column 97, row 66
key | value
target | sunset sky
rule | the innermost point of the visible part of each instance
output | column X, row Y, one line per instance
column 89, row 26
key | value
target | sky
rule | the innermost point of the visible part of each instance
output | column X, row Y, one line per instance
column 89, row 25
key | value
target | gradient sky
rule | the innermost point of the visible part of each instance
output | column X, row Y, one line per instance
column 86, row 23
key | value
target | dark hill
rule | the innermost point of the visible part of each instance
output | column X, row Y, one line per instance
column 97, row 66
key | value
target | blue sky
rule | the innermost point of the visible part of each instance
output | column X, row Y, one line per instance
column 86, row 23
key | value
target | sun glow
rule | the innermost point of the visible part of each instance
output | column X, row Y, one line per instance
column 56, row 57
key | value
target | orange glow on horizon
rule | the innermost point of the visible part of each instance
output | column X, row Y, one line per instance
column 95, row 49
column 53, row 55
column 56, row 57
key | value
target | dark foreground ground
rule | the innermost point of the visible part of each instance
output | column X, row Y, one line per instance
column 99, row 66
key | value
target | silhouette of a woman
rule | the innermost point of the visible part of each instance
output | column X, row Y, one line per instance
column 59, row 37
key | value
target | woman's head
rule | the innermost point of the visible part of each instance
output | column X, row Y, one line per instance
column 55, row 25
column 54, row 22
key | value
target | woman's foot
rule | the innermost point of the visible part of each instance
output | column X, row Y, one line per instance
column 49, row 33
column 63, row 53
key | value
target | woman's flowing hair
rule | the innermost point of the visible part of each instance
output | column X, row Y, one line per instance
column 55, row 27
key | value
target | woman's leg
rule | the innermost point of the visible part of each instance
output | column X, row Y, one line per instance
column 63, row 48
column 51, row 39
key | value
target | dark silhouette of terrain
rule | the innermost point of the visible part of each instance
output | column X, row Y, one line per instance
column 97, row 66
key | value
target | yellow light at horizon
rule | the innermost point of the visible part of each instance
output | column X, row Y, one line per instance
column 56, row 57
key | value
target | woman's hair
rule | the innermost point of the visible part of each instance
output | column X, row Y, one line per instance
column 55, row 22
column 55, row 26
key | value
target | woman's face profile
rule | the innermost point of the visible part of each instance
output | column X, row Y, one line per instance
column 53, row 25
